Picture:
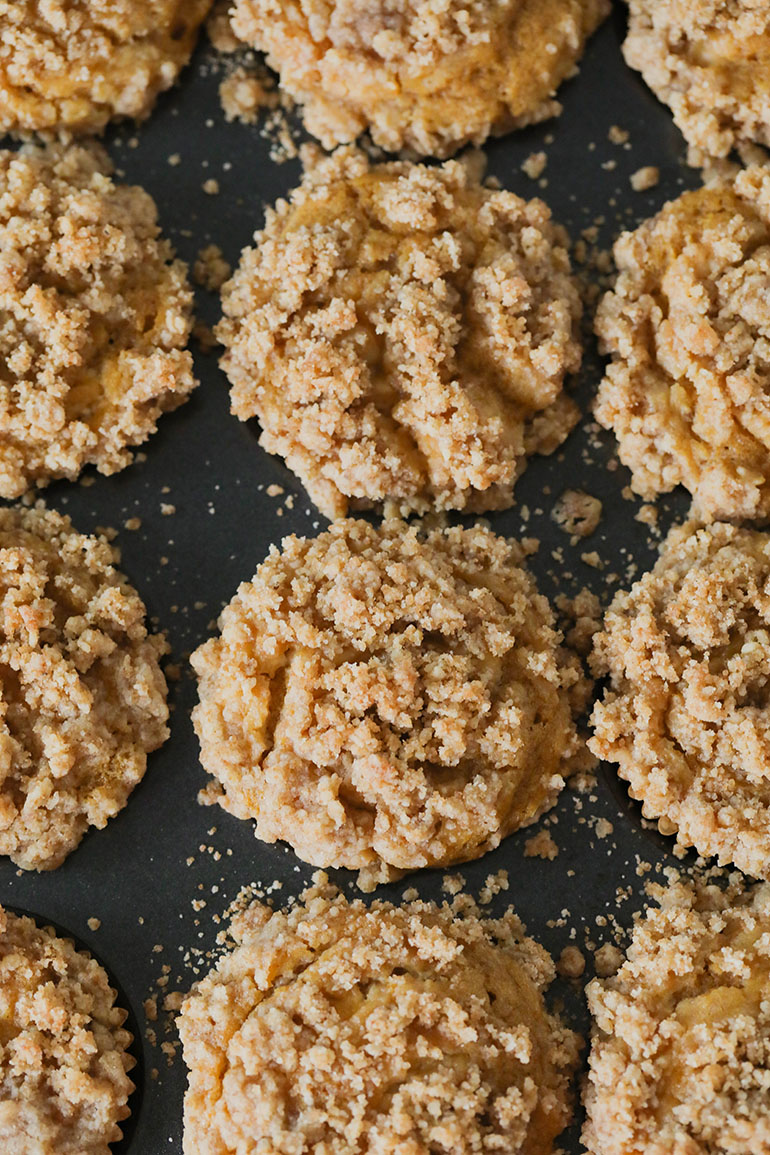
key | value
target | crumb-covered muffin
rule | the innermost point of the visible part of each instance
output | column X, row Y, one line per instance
column 337, row 1027
column 388, row 698
column 680, row 1060
column 82, row 696
column 685, row 715
column 420, row 75
column 403, row 334
column 70, row 66
column 709, row 60
column 64, row 1085
column 687, row 391
column 95, row 317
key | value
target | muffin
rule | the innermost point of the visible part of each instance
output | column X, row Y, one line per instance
column 403, row 334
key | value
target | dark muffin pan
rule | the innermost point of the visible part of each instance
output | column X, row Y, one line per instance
column 162, row 873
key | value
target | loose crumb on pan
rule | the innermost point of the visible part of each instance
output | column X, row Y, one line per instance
column 426, row 77
column 577, row 513
column 403, row 334
column 96, row 316
column 72, row 67
column 709, row 60
column 686, row 390
column 395, row 1028
column 84, row 697
column 680, row 1058
column 541, row 845
column 387, row 699
column 685, row 715
column 644, row 178
column 64, row 1062
column 211, row 270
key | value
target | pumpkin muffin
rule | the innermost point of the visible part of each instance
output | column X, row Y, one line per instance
column 64, row 1085
column 95, row 317
column 338, row 1027
column 687, row 391
column 82, row 697
column 403, row 334
column 420, row 75
column 685, row 716
column 680, row 1060
column 709, row 60
column 386, row 699
column 70, row 66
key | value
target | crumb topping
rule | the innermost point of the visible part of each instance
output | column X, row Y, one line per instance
column 82, row 697
column 388, row 698
column 709, row 60
column 680, row 1060
column 687, row 650
column 427, row 75
column 95, row 317
column 686, row 324
column 403, row 334
column 64, row 1060
column 71, row 67
column 375, row 1029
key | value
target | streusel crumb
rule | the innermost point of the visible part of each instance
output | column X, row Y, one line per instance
column 403, row 334
column 82, row 697
column 680, row 1060
column 71, row 67
column 709, row 60
column 687, row 651
column 388, row 698
column 421, row 75
column 64, row 1085
column 96, row 316
column 686, row 324
column 338, row 1027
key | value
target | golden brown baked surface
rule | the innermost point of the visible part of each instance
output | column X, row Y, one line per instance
column 388, row 1029
column 687, row 392
column 686, row 716
column 709, row 60
column 70, row 66
column 95, row 318
column 63, row 1060
column 82, row 697
column 680, row 1061
column 403, row 334
column 421, row 75
column 385, row 698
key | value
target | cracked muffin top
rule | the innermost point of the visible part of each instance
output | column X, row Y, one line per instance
column 685, row 715
column 337, row 1027
column 709, row 60
column 95, row 314
column 64, row 1060
column 403, row 334
column 386, row 699
column 82, row 696
column 687, row 391
column 680, row 1058
column 425, row 76
column 70, row 66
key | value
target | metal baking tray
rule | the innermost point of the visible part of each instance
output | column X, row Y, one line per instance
column 163, row 871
